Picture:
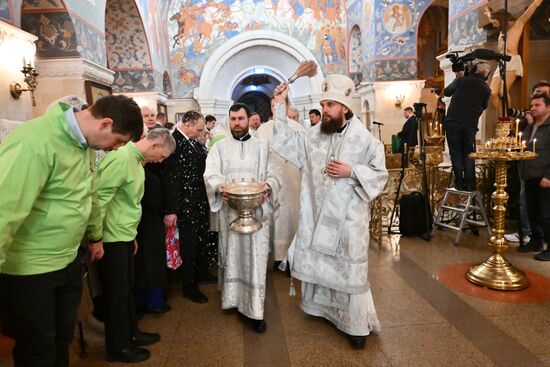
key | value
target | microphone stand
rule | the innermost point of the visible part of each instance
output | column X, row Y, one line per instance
column 502, row 63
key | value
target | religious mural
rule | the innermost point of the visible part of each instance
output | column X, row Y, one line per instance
column 459, row 6
column 56, row 34
column 5, row 11
column 198, row 27
column 464, row 31
column 127, row 48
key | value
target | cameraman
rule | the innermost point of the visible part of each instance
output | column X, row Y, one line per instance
column 470, row 97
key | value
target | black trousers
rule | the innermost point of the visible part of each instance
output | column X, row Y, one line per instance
column 116, row 273
column 193, row 250
column 39, row 312
column 538, row 210
column 461, row 140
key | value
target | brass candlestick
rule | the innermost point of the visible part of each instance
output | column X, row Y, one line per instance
column 497, row 272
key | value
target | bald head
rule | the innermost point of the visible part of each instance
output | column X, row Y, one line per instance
column 149, row 117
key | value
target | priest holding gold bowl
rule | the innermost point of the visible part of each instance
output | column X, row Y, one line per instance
column 238, row 170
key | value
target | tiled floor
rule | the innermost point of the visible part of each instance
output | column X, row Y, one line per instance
column 424, row 323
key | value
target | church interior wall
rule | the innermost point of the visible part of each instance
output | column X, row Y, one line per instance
column 18, row 44
column 196, row 31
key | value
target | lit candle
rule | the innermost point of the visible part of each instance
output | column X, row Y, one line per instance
column 431, row 128
column 24, row 62
column 534, row 142
column 517, row 128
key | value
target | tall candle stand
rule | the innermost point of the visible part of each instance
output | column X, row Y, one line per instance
column 497, row 272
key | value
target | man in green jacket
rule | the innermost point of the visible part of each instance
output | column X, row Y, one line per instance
column 120, row 181
column 46, row 206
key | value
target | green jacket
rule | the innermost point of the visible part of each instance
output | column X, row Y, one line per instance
column 45, row 196
column 120, row 181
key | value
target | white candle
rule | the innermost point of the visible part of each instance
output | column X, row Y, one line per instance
column 534, row 142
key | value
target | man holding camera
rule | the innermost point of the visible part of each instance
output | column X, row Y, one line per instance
column 470, row 98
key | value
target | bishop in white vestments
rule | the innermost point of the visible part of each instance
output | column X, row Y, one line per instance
column 284, row 220
column 242, row 257
column 343, row 170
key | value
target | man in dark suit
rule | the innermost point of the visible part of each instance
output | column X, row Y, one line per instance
column 186, row 204
column 408, row 135
column 470, row 98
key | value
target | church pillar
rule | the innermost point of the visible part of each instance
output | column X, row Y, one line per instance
column 216, row 107
column 63, row 77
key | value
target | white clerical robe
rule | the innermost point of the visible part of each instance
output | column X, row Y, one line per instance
column 329, row 253
column 284, row 220
column 242, row 257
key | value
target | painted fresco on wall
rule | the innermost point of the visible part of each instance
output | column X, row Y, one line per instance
column 395, row 28
column 91, row 43
column 126, row 41
column 354, row 13
column 133, row 81
column 92, row 11
column 386, row 70
column 42, row 4
column 464, row 31
column 56, row 34
column 198, row 27
column 397, row 19
column 5, row 11
column 459, row 6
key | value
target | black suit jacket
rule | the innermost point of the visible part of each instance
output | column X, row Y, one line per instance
column 183, row 180
column 409, row 133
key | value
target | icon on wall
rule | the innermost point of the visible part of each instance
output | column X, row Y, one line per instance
column 397, row 18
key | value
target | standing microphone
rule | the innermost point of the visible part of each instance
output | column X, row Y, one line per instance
column 378, row 123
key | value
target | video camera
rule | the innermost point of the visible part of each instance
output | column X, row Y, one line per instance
column 465, row 62
column 517, row 113
column 461, row 63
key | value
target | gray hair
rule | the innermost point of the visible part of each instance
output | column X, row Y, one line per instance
column 163, row 136
column 294, row 109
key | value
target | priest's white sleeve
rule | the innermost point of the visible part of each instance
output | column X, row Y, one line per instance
column 213, row 178
column 286, row 141
column 371, row 176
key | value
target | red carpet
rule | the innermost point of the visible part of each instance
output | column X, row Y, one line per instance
column 453, row 276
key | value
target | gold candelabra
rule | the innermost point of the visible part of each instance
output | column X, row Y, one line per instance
column 497, row 272
column 30, row 79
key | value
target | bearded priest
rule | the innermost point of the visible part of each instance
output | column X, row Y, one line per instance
column 343, row 170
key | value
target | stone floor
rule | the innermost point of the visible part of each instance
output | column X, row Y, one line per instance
column 424, row 323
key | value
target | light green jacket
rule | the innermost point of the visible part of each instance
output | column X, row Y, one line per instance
column 120, row 182
column 45, row 196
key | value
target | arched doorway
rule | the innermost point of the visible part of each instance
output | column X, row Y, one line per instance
column 355, row 55
column 278, row 54
column 258, row 102
column 432, row 40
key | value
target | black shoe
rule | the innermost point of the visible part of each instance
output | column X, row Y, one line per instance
column 129, row 355
column 148, row 309
column 357, row 342
column 544, row 255
column 141, row 339
column 259, row 326
column 195, row 295
column 531, row 247
column 276, row 265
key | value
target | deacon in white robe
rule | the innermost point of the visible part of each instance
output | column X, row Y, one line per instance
column 242, row 257
column 343, row 169
column 284, row 220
